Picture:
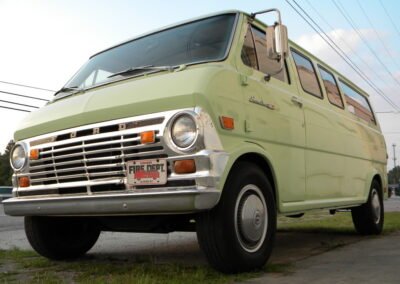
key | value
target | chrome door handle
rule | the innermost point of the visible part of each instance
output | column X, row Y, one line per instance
column 298, row 101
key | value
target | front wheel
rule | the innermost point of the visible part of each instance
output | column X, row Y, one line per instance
column 61, row 238
column 238, row 234
column 368, row 218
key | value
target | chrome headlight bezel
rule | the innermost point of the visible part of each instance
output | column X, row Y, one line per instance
column 17, row 147
column 171, row 141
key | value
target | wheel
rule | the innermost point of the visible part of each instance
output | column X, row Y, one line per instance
column 238, row 234
column 60, row 238
column 368, row 218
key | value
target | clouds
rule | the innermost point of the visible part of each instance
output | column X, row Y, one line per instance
column 348, row 40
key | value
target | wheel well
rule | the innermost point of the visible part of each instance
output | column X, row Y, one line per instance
column 263, row 164
column 379, row 180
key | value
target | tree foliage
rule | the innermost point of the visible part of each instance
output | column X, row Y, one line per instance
column 394, row 175
column 5, row 168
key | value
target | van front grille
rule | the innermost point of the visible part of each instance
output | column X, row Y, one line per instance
column 92, row 157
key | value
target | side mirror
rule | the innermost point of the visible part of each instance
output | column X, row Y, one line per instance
column 277, row 42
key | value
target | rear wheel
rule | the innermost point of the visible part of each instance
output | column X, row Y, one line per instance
column 59, row 237
column 238, row 234
column 368, row 218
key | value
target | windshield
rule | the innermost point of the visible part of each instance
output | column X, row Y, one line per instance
column 203, row 40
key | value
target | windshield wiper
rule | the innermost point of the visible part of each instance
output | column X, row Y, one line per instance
column 141, row 68
column 68, row 89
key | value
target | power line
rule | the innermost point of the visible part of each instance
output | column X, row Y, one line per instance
column 377, row 34
column 347, row 45
column 390, row 18
column 23, row 96
column 9, row 102
column 348, row 18
column 27, row 86
column 344, row 56
column 17, row 109
column 380, row 92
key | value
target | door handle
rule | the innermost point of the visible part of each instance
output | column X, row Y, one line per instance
column 298, row 101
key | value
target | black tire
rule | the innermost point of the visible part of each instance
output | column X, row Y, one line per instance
column 231, row 242
column 368, row 218
column 61, row 238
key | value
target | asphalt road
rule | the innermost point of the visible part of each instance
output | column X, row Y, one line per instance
column 370, row 261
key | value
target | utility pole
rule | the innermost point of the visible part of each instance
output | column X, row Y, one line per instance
column 394, row 163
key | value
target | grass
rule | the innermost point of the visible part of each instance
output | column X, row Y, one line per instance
column 36, row 269
column 28, row 267
column 340, row 223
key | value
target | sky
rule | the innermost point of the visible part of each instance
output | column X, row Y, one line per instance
column 43, row 43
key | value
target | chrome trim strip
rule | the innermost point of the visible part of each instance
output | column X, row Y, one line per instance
column 91, row 144
column 99, row 152
column 109, row 180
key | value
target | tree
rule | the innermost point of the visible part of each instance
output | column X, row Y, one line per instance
column 5, row 168
column 394, row 175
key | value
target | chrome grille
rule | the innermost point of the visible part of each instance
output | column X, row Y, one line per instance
column 92, row 157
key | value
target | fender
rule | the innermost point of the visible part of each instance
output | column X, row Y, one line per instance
column 368, row 181
column 249, row 147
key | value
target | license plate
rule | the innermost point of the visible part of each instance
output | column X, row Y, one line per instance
column 147, row 172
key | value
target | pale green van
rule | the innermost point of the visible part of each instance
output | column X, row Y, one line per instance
column 214, row 125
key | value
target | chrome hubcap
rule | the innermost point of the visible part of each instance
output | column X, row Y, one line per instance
column 251, row 218
column 376, row 205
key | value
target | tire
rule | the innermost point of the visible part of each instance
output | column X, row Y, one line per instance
column 368, row 218
column 238, row 234
column 60, row 238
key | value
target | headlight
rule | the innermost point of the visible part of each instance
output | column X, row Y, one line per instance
column 184, row 131
column 18, row 157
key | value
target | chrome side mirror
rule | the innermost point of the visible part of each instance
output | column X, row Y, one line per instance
column 277, row 42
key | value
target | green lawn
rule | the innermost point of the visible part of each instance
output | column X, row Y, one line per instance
column 28, row 267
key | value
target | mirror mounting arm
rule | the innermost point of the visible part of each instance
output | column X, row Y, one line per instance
column 277, row 42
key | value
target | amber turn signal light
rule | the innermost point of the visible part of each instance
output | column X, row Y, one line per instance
column 147, row 137
column 227, row 122
column 24, row 182
column 184, row 167
column 34, row 154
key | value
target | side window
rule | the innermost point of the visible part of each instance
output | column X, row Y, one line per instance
column 331, row 87
column 357, row 103
column 249, row 51
column 306, row 71
column 267, row 65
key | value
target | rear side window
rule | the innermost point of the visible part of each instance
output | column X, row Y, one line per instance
column 306, row 71
column 357, row 103
column 331, row 87
column 249, row 56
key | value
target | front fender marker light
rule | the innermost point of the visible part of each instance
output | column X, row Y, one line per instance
column 184, row 166
column 147, row 137
column 24, row 182
column 227, row 122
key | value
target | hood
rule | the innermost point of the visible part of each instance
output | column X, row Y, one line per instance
column 136, row 96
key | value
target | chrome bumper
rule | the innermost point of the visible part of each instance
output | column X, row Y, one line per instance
column 171, row 202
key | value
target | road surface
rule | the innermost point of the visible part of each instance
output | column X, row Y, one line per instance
column 356, row 262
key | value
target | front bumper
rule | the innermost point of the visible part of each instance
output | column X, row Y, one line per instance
column 170, row 202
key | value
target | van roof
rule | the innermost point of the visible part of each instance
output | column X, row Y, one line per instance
column 291, row 43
